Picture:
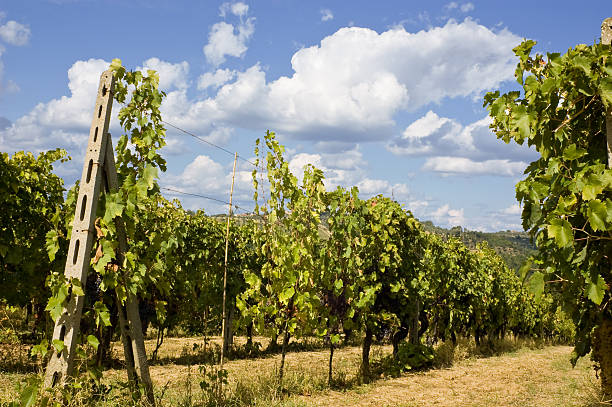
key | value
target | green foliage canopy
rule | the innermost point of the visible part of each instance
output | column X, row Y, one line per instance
column 566, row 194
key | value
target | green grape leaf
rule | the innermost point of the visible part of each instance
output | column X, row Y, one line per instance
column 93, row 341
column 596, row 290
column 339, row 284
column 113, row 208
column 605, row 90
column 28, row 396
column 593, row 186
column 525, row 269
column 597, row 214
column 572, row 152
column 561, row 231
column 51, row 244
column 55, row 307
column 58, row 345
column 536, row 284
column 286, row 294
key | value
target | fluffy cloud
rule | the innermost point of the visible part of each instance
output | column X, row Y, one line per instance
column 352, row 85
column 215, row 79
column 461, row 165
column 514, row 209
column 14, row 33
column 174, row 146
column 471, row 149
column 4, row 123
column 209, row 183
column 1, row 69
column 347, row 169
column 488, row 220
column 225, row 39
column 348, row 88
column 326, row 14
column 446, row 216
column 57, row 122
column 435, row 135
column 171, row 76
column 193, row 174
column 425, row 135
column 62, row 122
column 220, row 135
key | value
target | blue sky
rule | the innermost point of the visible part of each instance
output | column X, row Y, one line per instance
column 383, row 95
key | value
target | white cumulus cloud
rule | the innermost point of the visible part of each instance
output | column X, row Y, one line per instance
column 446, row 216
column 12, row 33
column 225, row 39
column 457, row 149
column 209, row 182
column 15, row 33
column 62, row 122
column 347, row 169
column 462, row 165
column 351, row 85
column 171, row 76
column 215, row 79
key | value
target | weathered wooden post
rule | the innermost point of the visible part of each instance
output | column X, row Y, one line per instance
column 606, row 38
column 98, row 170
column 604, row 332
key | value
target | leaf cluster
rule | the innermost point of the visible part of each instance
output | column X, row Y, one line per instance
column 566, row 194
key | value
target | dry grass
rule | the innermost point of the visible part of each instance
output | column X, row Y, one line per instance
column 526, row 377
column 307, row 368
column 542, row 377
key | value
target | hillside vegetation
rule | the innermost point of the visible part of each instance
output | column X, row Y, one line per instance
column 513, row 247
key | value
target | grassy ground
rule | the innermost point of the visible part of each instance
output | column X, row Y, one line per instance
column 525, row 376
column 541, row 377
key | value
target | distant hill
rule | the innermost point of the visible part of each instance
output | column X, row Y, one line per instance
column 513, row 247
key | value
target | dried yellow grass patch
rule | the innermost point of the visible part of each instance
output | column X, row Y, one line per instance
column 541, row 377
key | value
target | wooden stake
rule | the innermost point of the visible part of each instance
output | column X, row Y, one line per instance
column 99, row 169
column 606, row 38
column 229, row 215
column 68, row 325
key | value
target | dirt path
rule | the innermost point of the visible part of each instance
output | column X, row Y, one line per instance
column 542, row 377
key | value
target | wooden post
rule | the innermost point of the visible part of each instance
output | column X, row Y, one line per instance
column 229, row 215
column 67, row 326
column 602, row 348
column 99, row 169
column 606, row 38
